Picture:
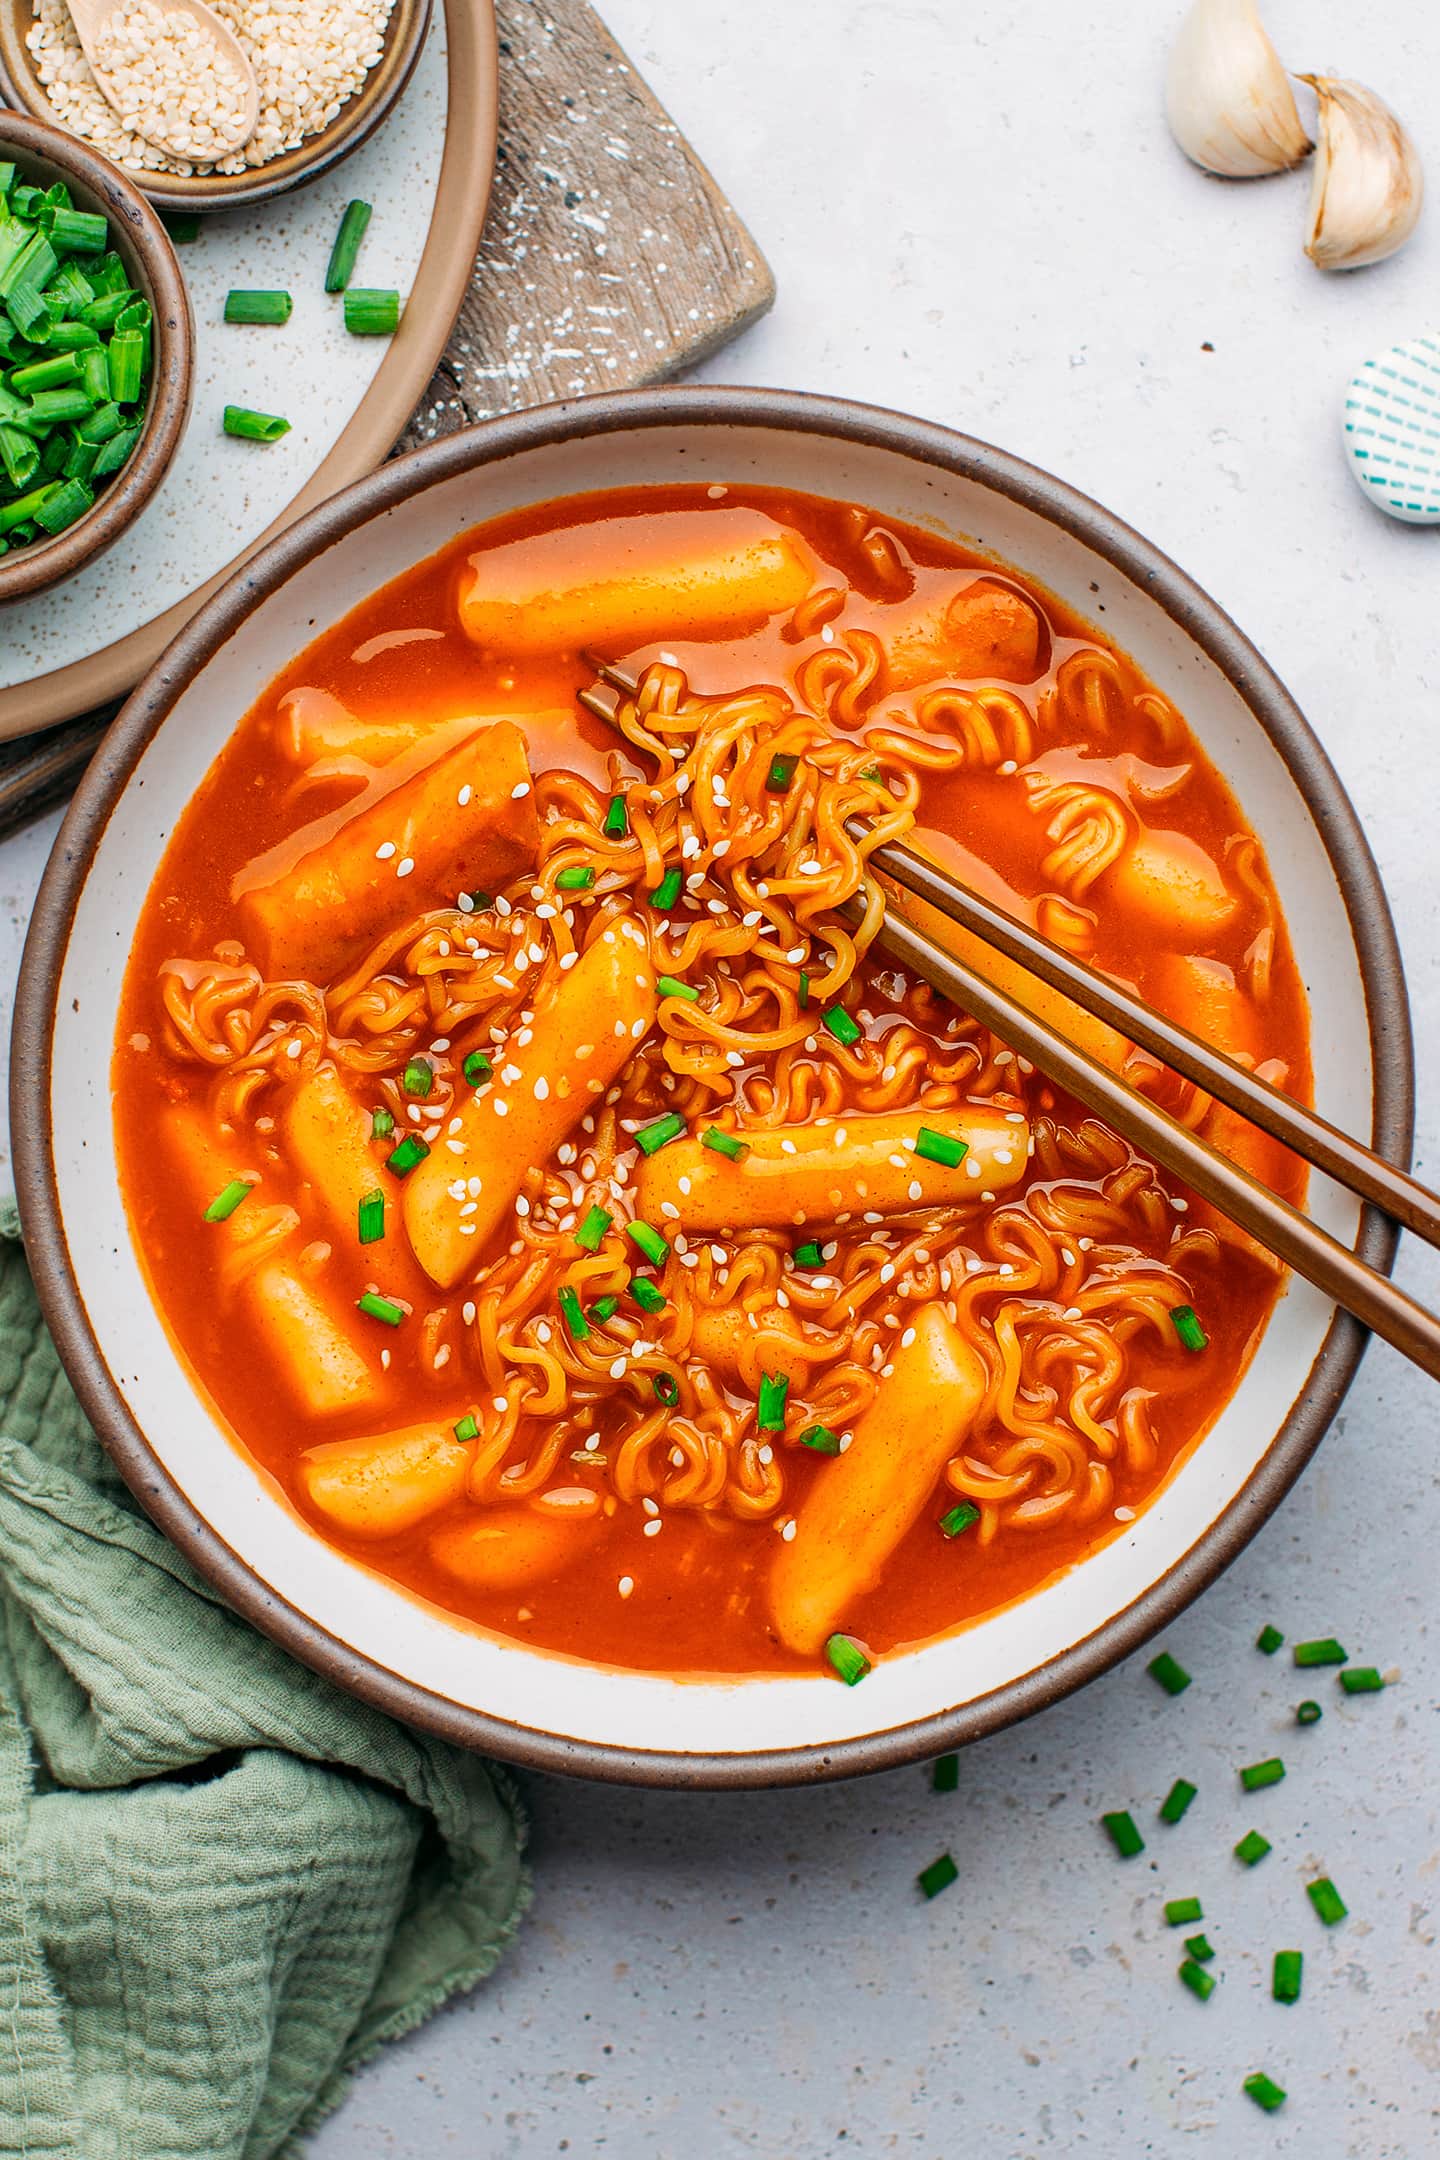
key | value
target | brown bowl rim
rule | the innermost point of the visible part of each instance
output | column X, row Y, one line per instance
column 1320, row 1392
column 354, row 124
column 140, row 236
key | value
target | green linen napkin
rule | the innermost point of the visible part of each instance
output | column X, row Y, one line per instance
column 223, row 1884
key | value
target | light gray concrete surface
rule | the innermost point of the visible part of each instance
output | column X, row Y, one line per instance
column 975, row 213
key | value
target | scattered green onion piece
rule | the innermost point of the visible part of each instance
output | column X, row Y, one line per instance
column 724, row 1143
column 938, row 1876
column 804, row 990
column 1187, row 1327
column 1324, row 1650
column 591, row 1233
column 667, row 892
column 1326, row 1899
column 380, row 1308
column 252, row 426
column 1285, row 1981
column 1269, row 1640
column 479, row 901
column 372, row 1217
column 403, row 1158
column 847, row 1658
column 1257, row 1775
column 371, row 311
column 1199, row 1982
column 647, row 1295
column 959, row 1518
column 1120, row 1828
column 382, row 1124
column 182, row 225
column 575, row 877
column 939, row 1147
column 774, row 1391
column 477, row 1067
column 1170, row 1673
column 1361, row 1680
column 660, row 1132
column 468, row 1428
column 1308, row 1713
column 872, row 772
column 1179, row 1797
column 808, row 1254
column 418, row 1077
column 781, row 773
column 840, row 1024
column 820, row 1440
column 341, row 266
column 1200, row 1949
column 945, row 1774
column 649, row 1241
column 603, row 1309
column 667, row 1388
column 265, row 309
column 223, row 1206
column 573, row 1317
column 617, row 819
column 125, row 358
column 671, row 986
column 1252, row 1848
column 1264, row 2091
column 1181, row 1911
column 79, row 232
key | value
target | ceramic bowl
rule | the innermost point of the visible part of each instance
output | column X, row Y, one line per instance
column 356, row 120
column 44, row 154
column 350, row 1623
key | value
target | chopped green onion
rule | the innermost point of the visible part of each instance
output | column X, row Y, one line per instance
column 477, row 1067
column 1285, row 1981
column 820, row 1440
column 1308, row 1713
column 250, row 426
column 848, row 1659
column 1264, row 2091
column 418, row 1077
column 406, row 1154
column 781, row 773
column 223, row 1206
column 1188, row 1328
column 671, row 986
column 573, row 1317
column 938, row 1876
column 1269, row 1640
column 1199, row 1948
column 804, row 990
column 25, row 507
column 50, row 408
column 840, row 1024
column 479, row 901
column 603, row 1309
column 65, row 505
column 1326, row 1899
column 724, row 1143
column 105, row 422
column 1120, row 1828
column 114, row 453
column 1256, row 1776
column 770, row 1414
column 959, row 1518
column 1181, row 1911
column 382, row 1124
column 1179, row 1797
column 575, row 877
column 667, row 1388
column 1199, row 1982
column 182, row 225
column 940, row 1147
column 372, row 311
column 649, row 1241
column 1170, row 1673
column 380, row 1308
column 45, row 374
column 1252, row 1848
column 125, row 358
column 647, row 1295
column 265, row 308
column 809, row 1254
column 667, row 892
column 341, row 266
column 1323, row 1651
column 617, row 819
column 872, row 773
column 468, row 1428
column 1361, row 1680
column 371, row 1217
column 591, row 1233
column 660, row 1132
column 79, row 232
column 945, row 1774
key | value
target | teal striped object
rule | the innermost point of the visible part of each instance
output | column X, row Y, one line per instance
column 1392, row 430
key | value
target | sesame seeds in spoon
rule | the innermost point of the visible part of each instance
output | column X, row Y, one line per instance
column 174, row 72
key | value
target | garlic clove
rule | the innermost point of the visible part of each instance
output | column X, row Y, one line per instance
column 1227, row 98
column 1368, row 185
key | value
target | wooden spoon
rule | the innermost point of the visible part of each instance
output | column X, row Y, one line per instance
column 171, row 132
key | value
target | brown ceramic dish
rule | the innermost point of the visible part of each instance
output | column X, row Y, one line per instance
column 356, row 121
column 393, row 1649
column 44, row 154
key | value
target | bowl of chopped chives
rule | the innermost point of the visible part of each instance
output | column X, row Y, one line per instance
column 96, row 343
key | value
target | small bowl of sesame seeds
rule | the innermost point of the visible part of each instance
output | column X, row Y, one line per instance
column 328, row 72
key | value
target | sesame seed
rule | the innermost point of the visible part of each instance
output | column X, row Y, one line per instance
column 405, row 865
column 385, row 850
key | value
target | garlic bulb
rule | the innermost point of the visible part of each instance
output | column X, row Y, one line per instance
column 1368, row 185
column 1227, row 97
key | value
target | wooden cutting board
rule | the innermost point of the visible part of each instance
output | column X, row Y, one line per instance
column 610, row 258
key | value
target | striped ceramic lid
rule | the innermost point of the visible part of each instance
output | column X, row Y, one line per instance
column 1392, row 430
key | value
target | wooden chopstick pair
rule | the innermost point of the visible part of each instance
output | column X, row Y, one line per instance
column 1282, row 1229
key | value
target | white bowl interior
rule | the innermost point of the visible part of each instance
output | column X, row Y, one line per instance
column 552, row 1695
